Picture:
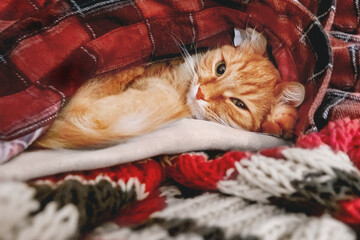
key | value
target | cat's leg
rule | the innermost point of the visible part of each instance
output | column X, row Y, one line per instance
column 283, row 116
column 115, row 118
column 109, row 84
column 83, row 102
column 281, row 121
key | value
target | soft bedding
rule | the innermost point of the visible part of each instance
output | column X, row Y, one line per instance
column 191, row 179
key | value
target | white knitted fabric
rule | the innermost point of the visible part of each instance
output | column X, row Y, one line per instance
column 234, row 216
column 261, row 177
column 16, row 223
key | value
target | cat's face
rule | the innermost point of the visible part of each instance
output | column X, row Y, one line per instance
column 236, row 86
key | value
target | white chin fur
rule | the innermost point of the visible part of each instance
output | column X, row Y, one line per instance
column 197, row 107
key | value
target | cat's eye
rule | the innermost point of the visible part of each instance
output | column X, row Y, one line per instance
column 237, row 102
column 220, row 68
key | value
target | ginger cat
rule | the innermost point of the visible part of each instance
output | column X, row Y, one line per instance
column 235, row 86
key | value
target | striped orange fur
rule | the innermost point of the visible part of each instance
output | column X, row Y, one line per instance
column 235, row 86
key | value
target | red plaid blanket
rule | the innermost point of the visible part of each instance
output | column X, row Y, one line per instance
column 48, row 48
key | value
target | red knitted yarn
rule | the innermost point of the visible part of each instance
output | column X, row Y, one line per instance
column 147, row 171
column 140, row 211
column 273, row 152
column 349, row 212
column 196, row 171
column 341, row 135
column 313, row 140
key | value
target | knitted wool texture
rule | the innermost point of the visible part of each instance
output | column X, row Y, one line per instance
column 304, row 191
column 308, row 191
column 342, row 135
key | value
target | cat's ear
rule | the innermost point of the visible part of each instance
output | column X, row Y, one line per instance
column 290, row 93
column 255, row 40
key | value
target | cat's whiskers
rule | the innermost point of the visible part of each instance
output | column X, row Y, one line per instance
column 189, row 62
column 231, row 123
column 215, row 117
column 188, row 59
column 225, row 120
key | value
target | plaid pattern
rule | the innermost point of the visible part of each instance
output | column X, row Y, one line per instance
column 49, row 48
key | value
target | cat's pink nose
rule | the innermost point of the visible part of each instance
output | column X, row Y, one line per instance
column 200, row 95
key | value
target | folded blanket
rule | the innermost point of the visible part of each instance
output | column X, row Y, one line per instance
column 42, row 62
column 196, row 180
column 181, row 136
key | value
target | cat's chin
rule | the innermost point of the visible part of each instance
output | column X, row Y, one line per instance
column 197, row 107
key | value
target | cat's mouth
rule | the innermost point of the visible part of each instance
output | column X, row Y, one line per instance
column 196, row 102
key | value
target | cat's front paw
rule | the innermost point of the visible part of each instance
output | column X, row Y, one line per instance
column 282, row 125
column 271, row 128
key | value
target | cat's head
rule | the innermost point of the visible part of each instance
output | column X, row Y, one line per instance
column 238, row 86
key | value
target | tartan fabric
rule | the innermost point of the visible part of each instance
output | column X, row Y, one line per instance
column 310, row 190
column 49, row 48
